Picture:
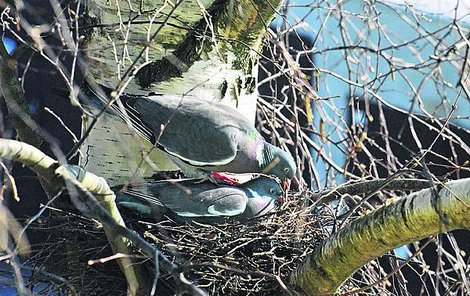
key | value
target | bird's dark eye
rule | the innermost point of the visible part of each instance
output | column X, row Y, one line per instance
column 286, row 170
column 272, row 190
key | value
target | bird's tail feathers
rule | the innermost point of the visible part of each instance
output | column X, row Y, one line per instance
column 123, row 107
column 146, row 197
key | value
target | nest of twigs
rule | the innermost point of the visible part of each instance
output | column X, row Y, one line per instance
column 253, row 257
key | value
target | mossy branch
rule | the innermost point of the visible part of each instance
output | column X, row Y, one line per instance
column 239, row 25
column 87, row 186
column 414, row 217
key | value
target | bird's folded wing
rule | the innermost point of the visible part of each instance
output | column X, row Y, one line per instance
column 139, row 201
column 205, row 201
column 222, row 201
column 196, row 132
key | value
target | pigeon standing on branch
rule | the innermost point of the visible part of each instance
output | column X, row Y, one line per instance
column 202, row 135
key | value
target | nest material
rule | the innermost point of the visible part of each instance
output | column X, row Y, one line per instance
column 252, row 257
column 240, row 258
column 59, row 262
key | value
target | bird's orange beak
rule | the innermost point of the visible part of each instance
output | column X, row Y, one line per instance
column 286, row 185
column 285, row 188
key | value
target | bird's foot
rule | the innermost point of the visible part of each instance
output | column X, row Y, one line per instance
column 219, row 178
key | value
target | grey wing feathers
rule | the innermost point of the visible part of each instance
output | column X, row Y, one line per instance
column 123, row 110
column 196, row 131
column 145, row 197
column 205, row 200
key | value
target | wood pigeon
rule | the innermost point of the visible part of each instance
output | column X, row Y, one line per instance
column 201, row 135
column 190, row 199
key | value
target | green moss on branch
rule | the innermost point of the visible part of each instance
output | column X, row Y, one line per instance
column 417, row 216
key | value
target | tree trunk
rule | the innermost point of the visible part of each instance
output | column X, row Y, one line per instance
column 207, row 49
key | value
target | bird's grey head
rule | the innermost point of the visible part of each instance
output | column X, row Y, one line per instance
column 264, row 194
column 278, row 162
